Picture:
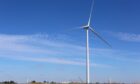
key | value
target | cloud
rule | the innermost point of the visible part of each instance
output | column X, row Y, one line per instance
column 131, row 37
column 119, row 55
column 59, row 61
column 40, row 48
column 127, row 54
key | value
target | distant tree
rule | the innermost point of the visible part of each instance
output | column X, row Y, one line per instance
column 9, row 82
column 44, row 81
column 12, row 82
column 97, row 83
column 5, row 82
column 52, row 82
column 33, row 82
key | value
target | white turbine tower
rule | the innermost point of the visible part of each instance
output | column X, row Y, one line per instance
column 89, row 28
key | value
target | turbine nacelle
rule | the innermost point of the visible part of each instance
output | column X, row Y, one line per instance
column 86, row 27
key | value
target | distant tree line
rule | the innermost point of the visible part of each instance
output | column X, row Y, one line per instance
column 52, row 82
column 44, row 82
column 8, row 82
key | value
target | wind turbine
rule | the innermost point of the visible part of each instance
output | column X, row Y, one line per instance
column 88, row 28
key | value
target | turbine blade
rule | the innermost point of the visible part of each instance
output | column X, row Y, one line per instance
column 100, row 37
column 89, row 21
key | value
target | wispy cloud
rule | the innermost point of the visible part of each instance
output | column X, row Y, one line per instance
column 120, row 55
column 40, row 48
column 132, row 37
column 59, row 61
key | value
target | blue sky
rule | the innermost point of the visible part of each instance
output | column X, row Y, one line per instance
column 36, row 41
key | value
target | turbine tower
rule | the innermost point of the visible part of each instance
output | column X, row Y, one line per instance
column 88, row 28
